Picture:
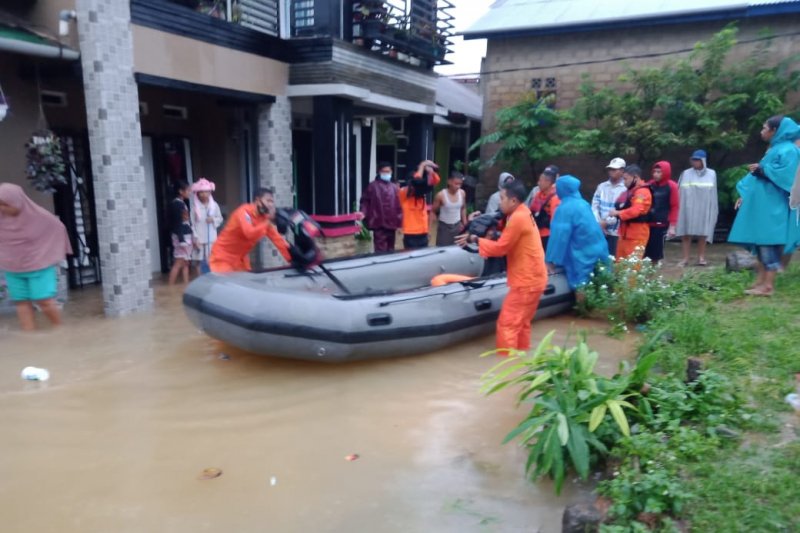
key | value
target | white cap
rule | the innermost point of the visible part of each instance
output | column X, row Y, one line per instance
column 617, row 163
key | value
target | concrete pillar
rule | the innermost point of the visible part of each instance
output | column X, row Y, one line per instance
column 115, row 141
column 275, row 164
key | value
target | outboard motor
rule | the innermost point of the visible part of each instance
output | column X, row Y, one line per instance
column 305, row 251
column 486, row 226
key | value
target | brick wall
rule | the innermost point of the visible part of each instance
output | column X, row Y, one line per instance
column 115, row 139
column 503, row 89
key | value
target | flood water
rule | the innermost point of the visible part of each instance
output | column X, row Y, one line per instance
column 137, row 407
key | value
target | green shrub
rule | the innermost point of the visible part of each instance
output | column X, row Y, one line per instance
column 631, row 290
column 570, row 403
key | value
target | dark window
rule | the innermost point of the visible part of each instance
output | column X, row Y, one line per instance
column 302, row 14
column 545, row 87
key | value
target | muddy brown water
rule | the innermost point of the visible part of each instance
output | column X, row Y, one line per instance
column 137, row 407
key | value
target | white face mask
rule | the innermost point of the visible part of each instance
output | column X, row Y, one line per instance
column 385, row 177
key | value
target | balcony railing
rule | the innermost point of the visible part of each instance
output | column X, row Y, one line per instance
column 415, row 31
column 260, row 15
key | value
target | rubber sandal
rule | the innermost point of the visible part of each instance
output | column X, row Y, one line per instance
column 681, row 264
column 702, row 263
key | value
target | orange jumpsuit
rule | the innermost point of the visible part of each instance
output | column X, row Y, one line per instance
column 415, row 210
column 527, row 278
column 634, row 235
column 230, row 252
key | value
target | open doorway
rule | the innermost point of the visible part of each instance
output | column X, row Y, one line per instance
column 168, row 161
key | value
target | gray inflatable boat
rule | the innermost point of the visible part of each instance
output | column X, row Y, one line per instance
column 365, row 307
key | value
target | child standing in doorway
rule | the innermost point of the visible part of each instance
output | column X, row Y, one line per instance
column 178, row 217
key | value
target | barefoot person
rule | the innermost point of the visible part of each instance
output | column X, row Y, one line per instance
column 527, row 275
column 699, row 207
column 248, row 224
column 32, row 242
column 177, row 214
column 764, row 221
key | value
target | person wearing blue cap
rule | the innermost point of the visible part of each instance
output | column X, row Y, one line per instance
column 576, row 241
column 699, row 207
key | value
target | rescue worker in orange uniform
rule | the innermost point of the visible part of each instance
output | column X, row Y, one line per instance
column 248, row 224
column 415, row 206
column 544, row 203
column 632, row 209
column 527, row 274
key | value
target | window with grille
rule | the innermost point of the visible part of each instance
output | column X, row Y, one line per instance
column 544, row 87
column 302, row 14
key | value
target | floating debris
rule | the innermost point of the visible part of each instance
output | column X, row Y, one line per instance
column 273, row 481
column 31, row 373
column 210, row 473
column 351, row 457
column 225, row 357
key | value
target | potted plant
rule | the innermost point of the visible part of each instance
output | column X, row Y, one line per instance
column 45, row 164
column 363, row 239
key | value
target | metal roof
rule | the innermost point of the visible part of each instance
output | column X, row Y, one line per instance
column 458, row 98
column 510, row 17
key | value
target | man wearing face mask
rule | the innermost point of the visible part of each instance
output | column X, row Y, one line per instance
column 248, row 224
column 380, row 205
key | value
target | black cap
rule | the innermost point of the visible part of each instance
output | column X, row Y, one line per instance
column 551, row 171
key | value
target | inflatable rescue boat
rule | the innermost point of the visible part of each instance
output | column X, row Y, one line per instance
column 366, row 307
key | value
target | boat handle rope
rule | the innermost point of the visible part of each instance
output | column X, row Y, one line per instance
column 442, row 294
column 404, row 257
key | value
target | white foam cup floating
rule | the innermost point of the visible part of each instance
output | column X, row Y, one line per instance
column 32, row 373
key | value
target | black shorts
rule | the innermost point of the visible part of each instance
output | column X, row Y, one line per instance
column 415, row 241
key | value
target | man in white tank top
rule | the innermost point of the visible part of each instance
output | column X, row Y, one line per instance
column 450, row 206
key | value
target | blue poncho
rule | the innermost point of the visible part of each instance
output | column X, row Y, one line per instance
column 576, row 241
column 764, row 217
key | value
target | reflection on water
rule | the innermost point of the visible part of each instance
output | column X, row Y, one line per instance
column 136, row 408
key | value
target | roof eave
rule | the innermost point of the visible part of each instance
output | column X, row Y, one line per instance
column 705, row 16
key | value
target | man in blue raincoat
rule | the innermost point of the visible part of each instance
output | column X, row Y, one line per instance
column 764, row 222
column 576, row 240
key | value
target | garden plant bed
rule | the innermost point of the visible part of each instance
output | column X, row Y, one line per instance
column 695, row 435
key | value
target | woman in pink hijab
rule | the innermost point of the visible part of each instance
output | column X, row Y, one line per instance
column 206, row 218
column 32, row 242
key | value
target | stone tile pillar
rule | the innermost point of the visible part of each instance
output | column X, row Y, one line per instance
column 275, row 163
column 115, row 141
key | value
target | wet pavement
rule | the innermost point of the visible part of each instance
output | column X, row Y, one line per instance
column 136, row 408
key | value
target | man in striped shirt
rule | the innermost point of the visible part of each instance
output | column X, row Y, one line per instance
column 603, row 201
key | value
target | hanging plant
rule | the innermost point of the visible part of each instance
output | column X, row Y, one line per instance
column 45, row 163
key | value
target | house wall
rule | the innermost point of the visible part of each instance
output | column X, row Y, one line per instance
column 502, row 89
column 44, row 14
column 171, row 56
column 21, row 89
